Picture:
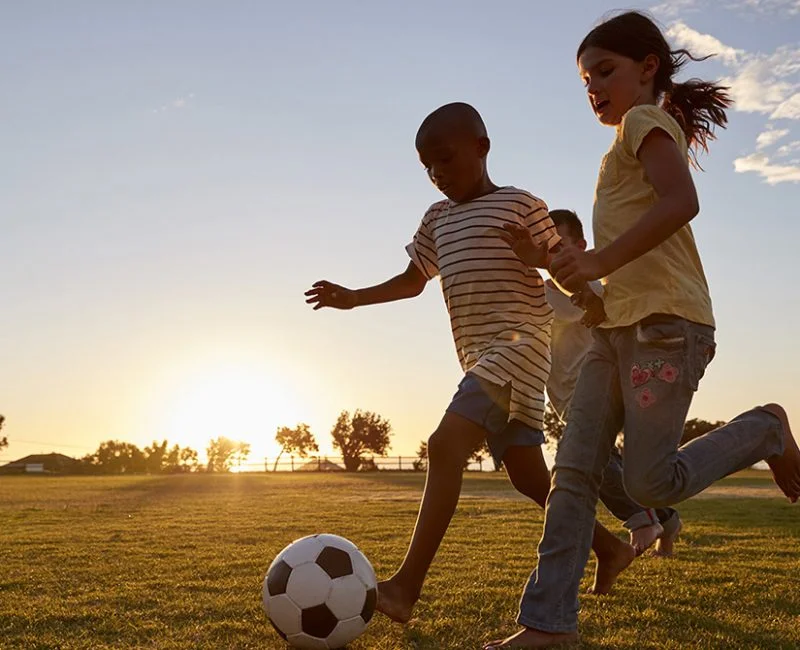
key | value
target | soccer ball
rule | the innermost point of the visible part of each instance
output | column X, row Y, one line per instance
column 320, row 592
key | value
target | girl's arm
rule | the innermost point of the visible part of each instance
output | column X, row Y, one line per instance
column 677, row 203
column 668, row 172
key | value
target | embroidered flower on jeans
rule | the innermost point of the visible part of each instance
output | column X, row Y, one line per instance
column 646, row 398
column 668, row 373
column 639, row 375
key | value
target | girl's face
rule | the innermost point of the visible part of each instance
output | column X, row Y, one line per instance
column 615, row 83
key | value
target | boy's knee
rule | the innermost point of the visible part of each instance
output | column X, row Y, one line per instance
column 443, row 446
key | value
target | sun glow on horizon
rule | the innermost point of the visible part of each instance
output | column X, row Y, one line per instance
column 236, row 400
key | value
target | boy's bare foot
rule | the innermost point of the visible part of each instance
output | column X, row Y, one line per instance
column 395, row 601
column 786, row 466
column 530, row 638
column 644, row 537
column 666, row 543
column 610, row 566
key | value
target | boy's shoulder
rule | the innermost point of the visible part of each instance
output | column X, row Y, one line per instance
column 523, row 198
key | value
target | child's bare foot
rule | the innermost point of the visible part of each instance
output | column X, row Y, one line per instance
column 666, row 543
column 610, row 566
column 644, row 537
column 395, row 601
column 530, row 638
column 786, row 466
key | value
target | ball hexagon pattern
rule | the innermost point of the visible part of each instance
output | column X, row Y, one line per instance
column 320, row 592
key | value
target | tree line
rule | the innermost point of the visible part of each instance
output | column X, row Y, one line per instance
column 355, row 436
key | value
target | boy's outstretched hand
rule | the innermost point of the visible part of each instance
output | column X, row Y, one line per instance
column 519, row 238
column 594, row 311
column 327, row 294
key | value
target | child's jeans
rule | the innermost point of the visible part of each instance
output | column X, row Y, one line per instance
column 640, row 379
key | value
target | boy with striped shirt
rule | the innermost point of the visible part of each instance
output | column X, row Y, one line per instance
column 501, row 328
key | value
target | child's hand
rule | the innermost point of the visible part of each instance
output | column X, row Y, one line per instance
column 592, row 305
column 519, row 238
column 327, row 294
column 573, row 268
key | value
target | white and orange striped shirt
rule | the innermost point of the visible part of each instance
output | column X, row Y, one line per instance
column 498, row 312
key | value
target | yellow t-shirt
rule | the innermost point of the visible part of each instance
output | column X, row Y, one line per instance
column 669, row 279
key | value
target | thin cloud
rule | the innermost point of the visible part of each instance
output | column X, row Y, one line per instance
column 748, row 7
column 771, row 173
column 788, row 149
column 175, row 104
column 767, row 84
column 703, row 44
column 770, row 137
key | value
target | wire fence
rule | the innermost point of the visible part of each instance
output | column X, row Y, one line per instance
column 337, row 464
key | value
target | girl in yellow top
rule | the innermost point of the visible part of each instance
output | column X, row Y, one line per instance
column 648, row 357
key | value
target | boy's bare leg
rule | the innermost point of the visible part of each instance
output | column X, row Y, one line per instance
column 530, row 476
column 785, row 467
column 448, row 450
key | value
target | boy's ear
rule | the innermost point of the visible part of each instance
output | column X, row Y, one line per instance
column 582, row 244
column 484, row 144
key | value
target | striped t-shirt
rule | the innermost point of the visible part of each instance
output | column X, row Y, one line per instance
column 498, row 311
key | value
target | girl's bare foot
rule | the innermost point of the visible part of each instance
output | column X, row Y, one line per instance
column 530, row 638
column 786, row 466
column 395, row 601
column 644, row 537
column 610, row 566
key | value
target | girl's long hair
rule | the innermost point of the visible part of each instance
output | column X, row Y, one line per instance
column 698, row 106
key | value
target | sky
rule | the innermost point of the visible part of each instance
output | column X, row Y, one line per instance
column 176, row 175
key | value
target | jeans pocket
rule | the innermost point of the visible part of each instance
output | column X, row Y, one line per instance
column 662, row 331
column 701, row 351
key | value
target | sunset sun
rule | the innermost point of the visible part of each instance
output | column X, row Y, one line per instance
column 236, row 401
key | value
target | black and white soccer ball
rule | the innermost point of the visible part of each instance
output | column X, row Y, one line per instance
column 320, row 592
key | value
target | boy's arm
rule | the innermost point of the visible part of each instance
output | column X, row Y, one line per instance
column 407, row 284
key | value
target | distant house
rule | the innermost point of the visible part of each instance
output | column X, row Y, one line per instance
column 42, row 464
column 320, row 465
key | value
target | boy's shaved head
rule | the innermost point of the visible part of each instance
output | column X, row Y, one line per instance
column 457, row 118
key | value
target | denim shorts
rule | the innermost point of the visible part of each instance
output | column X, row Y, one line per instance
column 487, row 404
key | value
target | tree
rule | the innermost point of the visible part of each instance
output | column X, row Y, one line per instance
column 223, row 453
column 114, row 457
column 299, row 441
column 180, row 459
column 553, row 426
column 365, row 431
column 696, row 427
column 479, row 454
column 155, row 457
column 421, row 463
column 3, row 440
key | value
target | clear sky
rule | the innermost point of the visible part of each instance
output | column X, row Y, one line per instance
column 176, row 174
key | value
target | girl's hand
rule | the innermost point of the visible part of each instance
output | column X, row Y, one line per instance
column 519, row 238
column 327, row 294
column 573, row 268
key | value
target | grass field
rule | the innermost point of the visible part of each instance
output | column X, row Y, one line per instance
column 177, row 562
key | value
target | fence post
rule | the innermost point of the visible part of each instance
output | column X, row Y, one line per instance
column 266, row 464
column 292, row 458
column 480, row 463
column 319, row 463
column 400, row 463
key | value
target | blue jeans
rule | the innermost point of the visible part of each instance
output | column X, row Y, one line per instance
column 487, row 405
column 638, row 379
column 616, row 499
